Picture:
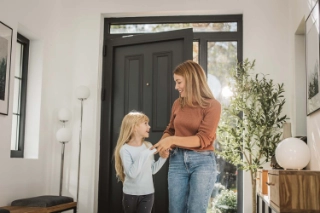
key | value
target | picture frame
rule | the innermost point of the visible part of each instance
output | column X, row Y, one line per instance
column 5, row 66
column 312, row 60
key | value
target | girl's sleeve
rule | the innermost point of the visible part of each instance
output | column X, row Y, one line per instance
column 156, row 166
column 133, row 167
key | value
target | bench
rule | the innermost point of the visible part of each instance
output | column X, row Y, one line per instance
column 57, row 208
column 42, row 204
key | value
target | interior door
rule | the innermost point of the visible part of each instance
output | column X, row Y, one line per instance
column 137, row 75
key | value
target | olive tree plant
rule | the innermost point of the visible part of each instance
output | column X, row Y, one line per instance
column 251, row 124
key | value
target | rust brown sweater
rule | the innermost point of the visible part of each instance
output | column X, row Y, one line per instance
column 190, row 121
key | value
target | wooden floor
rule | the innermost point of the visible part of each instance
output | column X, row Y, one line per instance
column 57, row 208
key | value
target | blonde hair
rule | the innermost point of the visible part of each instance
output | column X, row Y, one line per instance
column 129, row 121
column 196, row 86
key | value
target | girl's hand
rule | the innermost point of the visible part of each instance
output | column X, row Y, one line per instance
column 164, row 154
column 163, row 145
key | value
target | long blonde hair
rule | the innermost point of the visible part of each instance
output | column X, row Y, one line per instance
column 128, row 124
column 196, row 86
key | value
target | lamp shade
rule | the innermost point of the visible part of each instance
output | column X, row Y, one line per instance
column 63, row 135
column 292, row 153
column 82, row 92
column 64, row 114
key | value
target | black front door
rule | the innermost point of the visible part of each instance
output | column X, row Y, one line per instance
column 137, row 75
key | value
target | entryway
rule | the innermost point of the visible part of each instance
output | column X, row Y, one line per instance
column 139, row 57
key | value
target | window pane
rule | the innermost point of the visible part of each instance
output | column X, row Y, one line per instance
column 196, row 51
column 15, row 132
column 19, row 51
column 16, row 96
column 154, row 28
column 222, row 57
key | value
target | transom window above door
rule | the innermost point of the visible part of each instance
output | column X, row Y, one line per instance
column 155, row 28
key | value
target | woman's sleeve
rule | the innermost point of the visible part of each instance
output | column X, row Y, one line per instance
column 170, row 128
column 208, row 127
column 156, row 166
column 133, row 167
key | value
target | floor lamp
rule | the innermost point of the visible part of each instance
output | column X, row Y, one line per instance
column 82, row 93
column 63, row 135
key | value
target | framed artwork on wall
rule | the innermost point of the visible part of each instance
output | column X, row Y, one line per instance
column 5, row 62
column 312, row 60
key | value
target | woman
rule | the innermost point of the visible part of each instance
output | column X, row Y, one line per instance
column 190, row 135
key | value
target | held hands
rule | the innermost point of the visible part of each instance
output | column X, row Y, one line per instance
column 163, row 145
column 164, row 154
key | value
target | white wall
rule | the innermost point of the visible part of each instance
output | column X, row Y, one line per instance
column 25, row 177
column 300, row 11
column 71, row 36
column 313, row 120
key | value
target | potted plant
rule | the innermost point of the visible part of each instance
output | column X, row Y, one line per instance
column 226, row 201
column 250, row 126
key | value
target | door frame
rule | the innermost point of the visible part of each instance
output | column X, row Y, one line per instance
column 202, row 37
column 106, row 151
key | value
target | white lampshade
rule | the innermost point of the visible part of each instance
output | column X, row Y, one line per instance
column 292, row 153
column 64, row 114
column 63, row 135
column 82, row 92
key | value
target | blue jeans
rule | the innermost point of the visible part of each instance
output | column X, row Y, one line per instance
column 191, row 180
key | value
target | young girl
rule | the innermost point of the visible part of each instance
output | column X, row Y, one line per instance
column 135, row 164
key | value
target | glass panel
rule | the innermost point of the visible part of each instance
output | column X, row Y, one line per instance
column 154, row 28
column 19, row 51
column 15, row 132
column 196, row 51
column 16, row 96
column 222, row 57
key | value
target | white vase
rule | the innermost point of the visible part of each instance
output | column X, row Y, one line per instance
column 286, row 131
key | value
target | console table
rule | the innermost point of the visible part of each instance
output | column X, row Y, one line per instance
column 291, row 191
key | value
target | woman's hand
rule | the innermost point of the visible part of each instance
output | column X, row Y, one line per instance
column 163, row 145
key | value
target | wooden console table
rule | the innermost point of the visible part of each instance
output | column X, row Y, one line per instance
column 52, row 209
column 291, row 191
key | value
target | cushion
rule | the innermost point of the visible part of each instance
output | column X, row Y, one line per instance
column 4, row 211
column 42, row 201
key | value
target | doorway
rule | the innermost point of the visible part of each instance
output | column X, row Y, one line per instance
column 216, row 44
